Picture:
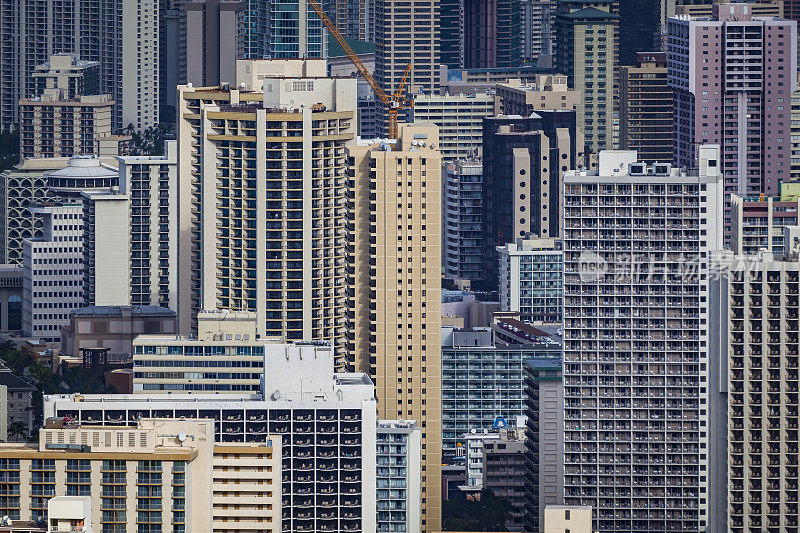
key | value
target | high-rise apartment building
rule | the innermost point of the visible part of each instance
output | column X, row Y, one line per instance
column 406, row 34
column 325, row 423
column 645, row 105
column 53, row 126
column 536, row 28
column 758, row 345
column 532, row 279
column 586, row 34
column 492, row 34
column 637, row 241
column 544, row 430
column 212, row 41
column 399, row 473
column 483, row 377
column 451, row 33
column 72, row 75
column 639, row 28
column 460, row 120
column 151, row 183
column 52, row 269
column 394, row 286
column 262, row 179
column 757, row 223
column 122, row 37
column 463, row 220
column 733, row 76
column 794, row 145
column 524, row 161
column 131, row 234
column 282, row 29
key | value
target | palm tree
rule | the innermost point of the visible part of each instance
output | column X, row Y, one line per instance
column 16, row 429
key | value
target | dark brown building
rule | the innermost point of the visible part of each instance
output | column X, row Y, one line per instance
column 492, row 33
column 645, row 108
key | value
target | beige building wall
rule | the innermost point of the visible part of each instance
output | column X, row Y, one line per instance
column 3, row 413
column 107, row 254
column 115, row 467
column 54, row 127
column 770, row 8
column 460, row 121
column 394, row 302
column 247, row 487
column 567, row 519
column 549, row 91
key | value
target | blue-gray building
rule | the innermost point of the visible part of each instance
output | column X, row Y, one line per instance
column 483, row 375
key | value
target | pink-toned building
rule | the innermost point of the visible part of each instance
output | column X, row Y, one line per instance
column 733, row 75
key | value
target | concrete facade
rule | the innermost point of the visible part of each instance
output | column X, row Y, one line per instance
column 114, row 327
column 122, row 37
column 53, row 272
column 532, row 279
column 394, row 297
column 634, row 359
column 733, row 76
column 282, row 150
column 459, row 118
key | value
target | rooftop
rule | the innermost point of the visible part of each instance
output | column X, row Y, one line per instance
column 14, row 382
column 116, row 310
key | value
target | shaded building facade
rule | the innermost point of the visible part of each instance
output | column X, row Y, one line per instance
column 524, row 159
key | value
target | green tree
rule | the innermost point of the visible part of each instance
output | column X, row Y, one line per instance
column 490, row 513
column 16, row 429
column 9, row 150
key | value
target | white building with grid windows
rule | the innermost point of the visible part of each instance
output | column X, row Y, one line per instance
column 637, row 240
column 398, row 459
column 52, row 284
column 327, row 423
column 532, row 279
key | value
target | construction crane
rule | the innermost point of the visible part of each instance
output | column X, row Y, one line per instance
column 395, row 103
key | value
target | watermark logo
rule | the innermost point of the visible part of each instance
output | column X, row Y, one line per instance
column 591, row 267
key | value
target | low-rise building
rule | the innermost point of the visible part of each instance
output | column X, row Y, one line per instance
column 568, row 519
column 163, row 474
column 548, row 91
column 327, row 423
column 18, row 404
column 115, row 327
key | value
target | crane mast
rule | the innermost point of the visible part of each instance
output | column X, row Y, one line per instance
column 394, row 103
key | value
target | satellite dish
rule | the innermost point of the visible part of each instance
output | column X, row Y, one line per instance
column 276, row 395
column 181, row 437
